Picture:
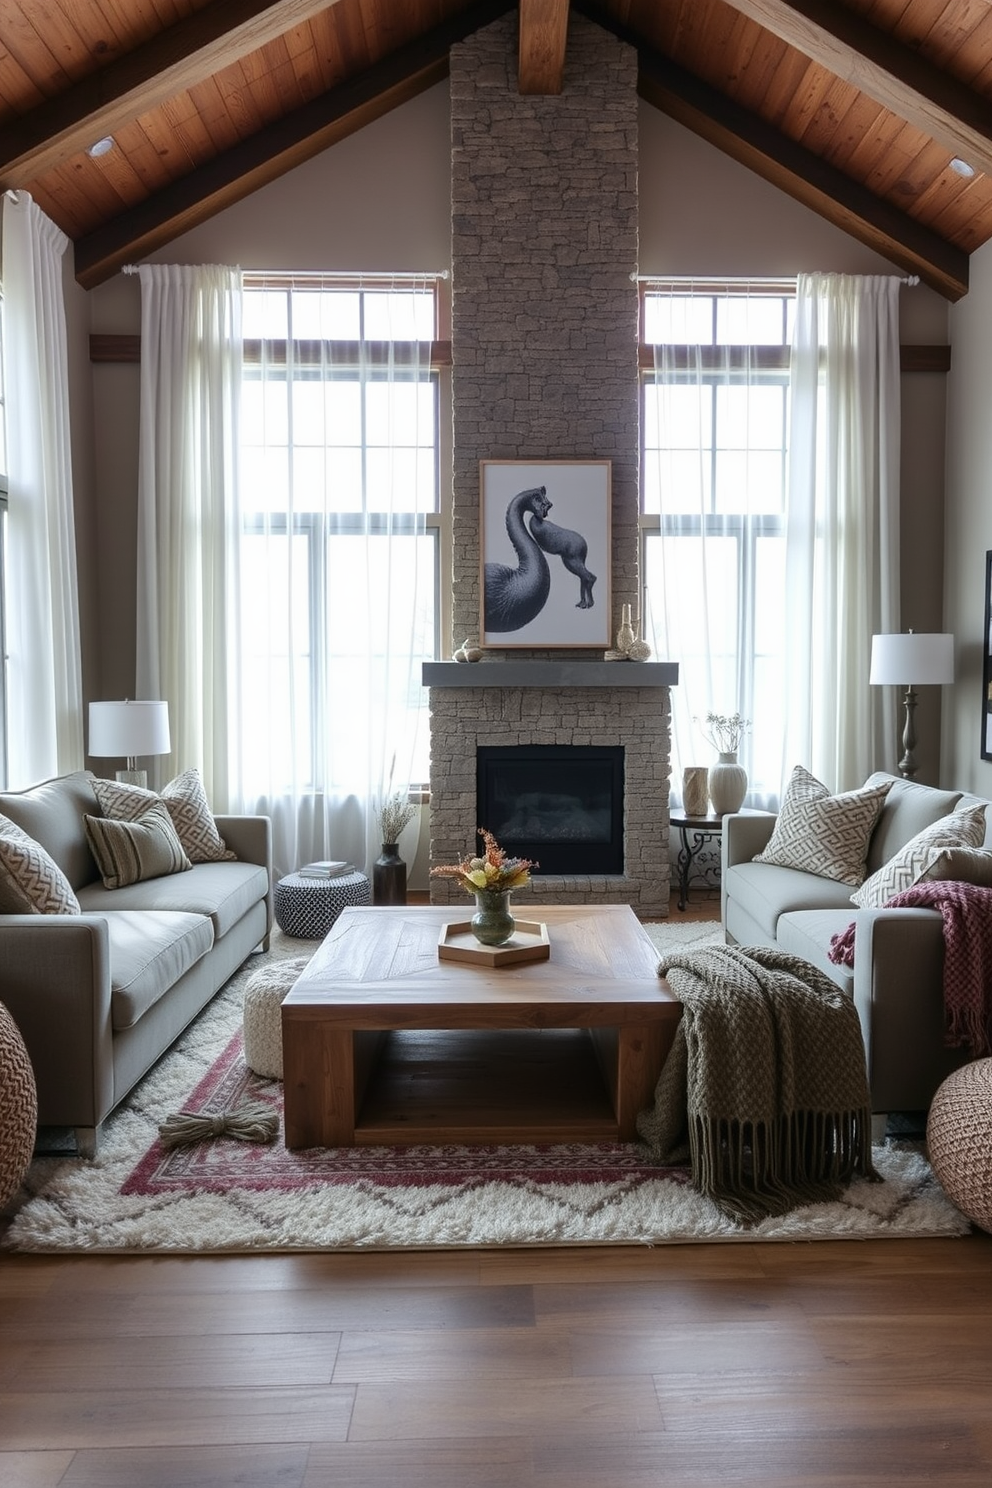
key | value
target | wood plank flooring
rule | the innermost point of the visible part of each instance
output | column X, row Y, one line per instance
column 834, row 1365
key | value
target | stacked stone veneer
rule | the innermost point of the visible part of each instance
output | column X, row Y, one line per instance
column 544, row 309
column 544, row 367
column 636, row 717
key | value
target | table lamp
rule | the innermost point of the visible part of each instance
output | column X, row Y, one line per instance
column 905, row 660
column 129, row 729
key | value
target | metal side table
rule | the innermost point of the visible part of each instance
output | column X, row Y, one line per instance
column 694, row 833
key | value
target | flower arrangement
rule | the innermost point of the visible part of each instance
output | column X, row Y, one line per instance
column 494, row 871
column 723, row 732
column 395, row 813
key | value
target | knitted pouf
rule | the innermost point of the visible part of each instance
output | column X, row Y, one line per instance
column 959, row 1140
column 306, row 908
column 18, row 1107
column 264, row 992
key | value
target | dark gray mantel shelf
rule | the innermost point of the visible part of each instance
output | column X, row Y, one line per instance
column 550, row 673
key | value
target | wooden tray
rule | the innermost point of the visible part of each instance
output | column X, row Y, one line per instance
column 529, row 942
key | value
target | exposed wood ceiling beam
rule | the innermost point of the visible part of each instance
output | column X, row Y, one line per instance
column 793, row 169
column 278, row 148
column 167, row 64
column 543, row 33
column 893, row 74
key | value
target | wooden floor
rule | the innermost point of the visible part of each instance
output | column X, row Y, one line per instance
column 846, row 1363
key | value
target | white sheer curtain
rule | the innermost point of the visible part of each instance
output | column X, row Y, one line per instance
column 339, row 475
column 714, row 472
column 44, row 669
column 842, row 570
column 191, row 353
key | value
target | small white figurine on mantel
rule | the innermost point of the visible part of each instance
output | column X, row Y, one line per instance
column 628, row 646
column 468, row 652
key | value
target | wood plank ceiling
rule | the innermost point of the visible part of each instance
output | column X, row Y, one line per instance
column 862, row 110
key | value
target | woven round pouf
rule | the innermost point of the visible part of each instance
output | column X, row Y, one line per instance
column 959, row 1140
column 18, row 1107
column 264, row 993
column 308, row 907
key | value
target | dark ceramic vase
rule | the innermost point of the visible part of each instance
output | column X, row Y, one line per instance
column 389, row 876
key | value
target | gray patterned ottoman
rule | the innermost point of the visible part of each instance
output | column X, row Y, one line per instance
column 308, row 907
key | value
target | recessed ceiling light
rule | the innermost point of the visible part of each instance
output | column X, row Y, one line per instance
column 102, row 147
column 961, row 167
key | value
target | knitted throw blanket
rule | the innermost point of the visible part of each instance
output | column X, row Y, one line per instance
column 966, row 911
column 765, row 1085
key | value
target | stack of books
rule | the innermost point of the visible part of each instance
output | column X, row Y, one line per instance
column 329, row 868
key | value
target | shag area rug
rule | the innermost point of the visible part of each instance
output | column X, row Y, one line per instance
column 226, row 1195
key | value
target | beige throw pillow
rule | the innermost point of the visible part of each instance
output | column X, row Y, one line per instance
column 914, row 862
column 129, row 852
column 187, row 804
column 31, row 882
column 824, row 834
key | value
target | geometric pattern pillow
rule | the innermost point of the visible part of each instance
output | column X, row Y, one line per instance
column 31, row 882
column 188, row 807
column 129, row 852
column 913, row 862
column 824, row 834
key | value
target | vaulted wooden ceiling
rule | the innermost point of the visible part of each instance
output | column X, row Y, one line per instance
column 866, row 111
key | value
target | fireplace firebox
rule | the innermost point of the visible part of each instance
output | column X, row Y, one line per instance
column 559, row 805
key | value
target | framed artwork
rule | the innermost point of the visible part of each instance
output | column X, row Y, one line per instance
column 987, row 664
column 544, row 541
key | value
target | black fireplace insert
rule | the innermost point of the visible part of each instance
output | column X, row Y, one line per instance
column 559, row 805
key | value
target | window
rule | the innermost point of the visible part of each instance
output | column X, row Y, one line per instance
column 340, row 528
column 714, row 457
column 3, row 561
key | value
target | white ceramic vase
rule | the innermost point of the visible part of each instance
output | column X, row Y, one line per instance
column 727, row 783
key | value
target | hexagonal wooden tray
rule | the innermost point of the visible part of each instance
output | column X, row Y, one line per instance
column 529, row 942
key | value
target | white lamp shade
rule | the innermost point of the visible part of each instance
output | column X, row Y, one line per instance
column 912, row 660
column 128, row 729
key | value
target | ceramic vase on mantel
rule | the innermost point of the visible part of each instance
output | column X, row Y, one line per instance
column 727, row 783
column 492, row 923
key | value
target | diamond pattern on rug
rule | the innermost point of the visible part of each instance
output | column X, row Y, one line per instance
column 218, row 1165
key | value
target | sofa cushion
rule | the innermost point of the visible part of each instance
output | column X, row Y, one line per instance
column 907, row 809
column 31, row 882
column 223, row 891
column 959, row 829
column 149, row 952
column 807, row 933
column 765, row 891
column 187, row 804
column 128, row 852
column 52, row 813
column 824, row 834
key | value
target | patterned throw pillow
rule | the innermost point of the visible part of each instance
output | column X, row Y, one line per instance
column 824, row 834
column 31, row 882
column 129, row 852
column 187, row 805
column 914, row 861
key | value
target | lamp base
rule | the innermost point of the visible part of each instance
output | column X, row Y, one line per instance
column 133, row 777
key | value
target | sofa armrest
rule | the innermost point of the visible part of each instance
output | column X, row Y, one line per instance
column 745, row 834
column 250, row 838
column 55, row 981
column 899, row 994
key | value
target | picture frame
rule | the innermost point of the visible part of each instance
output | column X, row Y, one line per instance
column 544, row 553
column 987, row 664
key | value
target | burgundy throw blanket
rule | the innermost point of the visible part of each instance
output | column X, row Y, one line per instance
column 967, row 916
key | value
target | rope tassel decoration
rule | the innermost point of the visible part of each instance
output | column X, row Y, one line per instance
column 253, row 1122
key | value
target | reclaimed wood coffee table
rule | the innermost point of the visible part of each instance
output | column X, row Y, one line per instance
column 386, row 1044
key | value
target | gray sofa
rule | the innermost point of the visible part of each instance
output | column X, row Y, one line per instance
column 897, row 979
column 99, row 996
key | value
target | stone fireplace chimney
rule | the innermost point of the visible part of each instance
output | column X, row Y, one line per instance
column 544, row 367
